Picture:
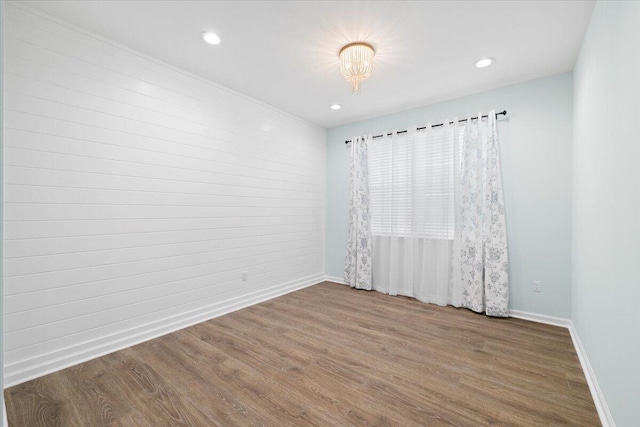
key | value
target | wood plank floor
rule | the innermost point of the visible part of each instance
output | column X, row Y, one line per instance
column 326, row 355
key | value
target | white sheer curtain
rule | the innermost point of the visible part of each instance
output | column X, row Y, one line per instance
column 437, row 230
column 412, row 202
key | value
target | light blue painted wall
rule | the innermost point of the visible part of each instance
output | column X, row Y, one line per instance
column 536, row 159
column 606, row 211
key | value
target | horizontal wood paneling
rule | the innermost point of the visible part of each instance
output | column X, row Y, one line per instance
column 135, row 193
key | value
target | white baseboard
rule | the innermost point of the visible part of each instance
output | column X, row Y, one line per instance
column 26, row 370
column 335, row 279
column 598, row 398
column 540, row 318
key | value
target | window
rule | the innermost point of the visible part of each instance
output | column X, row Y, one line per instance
column 411, row 179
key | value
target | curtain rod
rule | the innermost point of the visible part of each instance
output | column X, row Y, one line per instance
column 501, row 113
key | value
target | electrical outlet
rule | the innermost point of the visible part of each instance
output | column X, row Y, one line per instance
column 244, row 276
column 537, row 286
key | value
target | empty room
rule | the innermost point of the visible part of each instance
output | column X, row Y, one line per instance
column 320, row 213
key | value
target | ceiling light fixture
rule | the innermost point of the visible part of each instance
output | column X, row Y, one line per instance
column 211, row 38
column 335, row 106
column 356, row 62
column 484, row 62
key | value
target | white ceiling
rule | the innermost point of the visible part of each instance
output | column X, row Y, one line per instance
column 286, row 53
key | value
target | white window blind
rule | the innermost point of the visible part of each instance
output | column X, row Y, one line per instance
column 411, row 183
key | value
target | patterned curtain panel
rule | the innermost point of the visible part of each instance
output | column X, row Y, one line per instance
column 480, row 260
column 357, row 265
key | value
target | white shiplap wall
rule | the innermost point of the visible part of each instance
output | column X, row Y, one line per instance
column 136, row 195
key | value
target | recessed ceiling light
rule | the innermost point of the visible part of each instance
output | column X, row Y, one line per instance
column 335, row 106
column 211, row 38
column 484, row 62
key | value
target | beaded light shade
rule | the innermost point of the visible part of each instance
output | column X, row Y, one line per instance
column 356, row 62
